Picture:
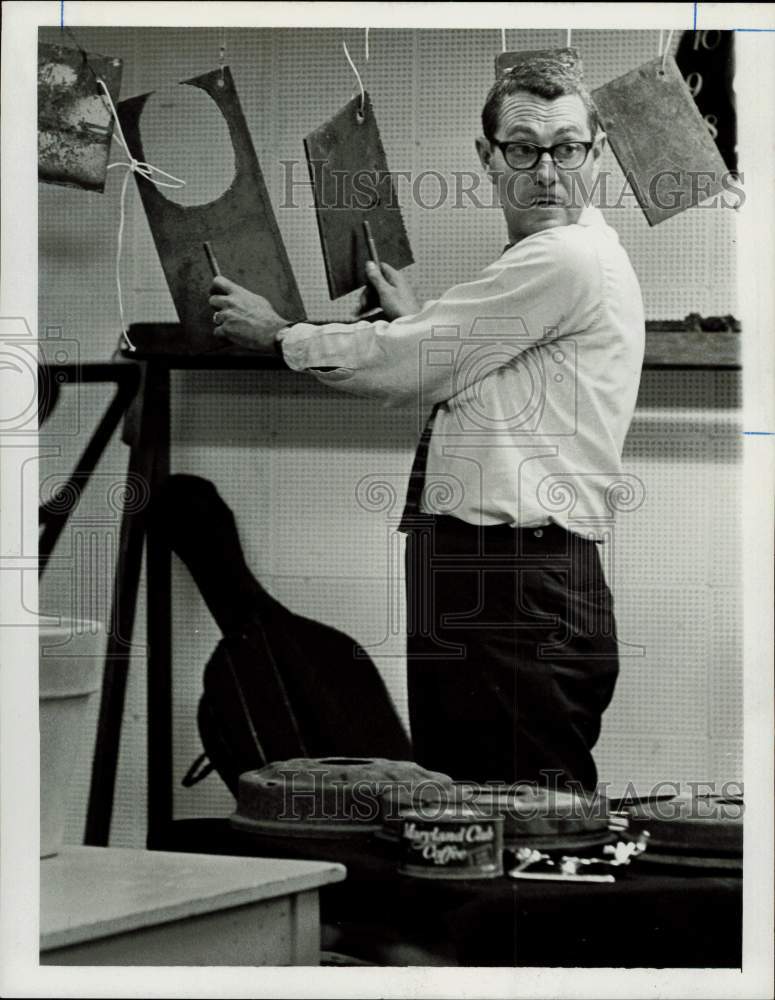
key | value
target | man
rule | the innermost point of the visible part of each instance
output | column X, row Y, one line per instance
column 532, row 371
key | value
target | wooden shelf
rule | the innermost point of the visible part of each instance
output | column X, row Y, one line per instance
column 164, row 344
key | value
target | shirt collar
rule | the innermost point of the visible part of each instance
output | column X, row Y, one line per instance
column 590, row 216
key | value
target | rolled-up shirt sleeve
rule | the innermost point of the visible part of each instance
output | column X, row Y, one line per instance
column 545, row 286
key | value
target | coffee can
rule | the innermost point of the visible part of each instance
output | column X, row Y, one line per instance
column 450, row 843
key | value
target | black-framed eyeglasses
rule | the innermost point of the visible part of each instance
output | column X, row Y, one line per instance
column 569, row 155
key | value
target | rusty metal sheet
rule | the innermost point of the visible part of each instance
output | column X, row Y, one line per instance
column 239, row 225
column 352, row 184
column 75, row 125
column 567, row 56
column 660, row 139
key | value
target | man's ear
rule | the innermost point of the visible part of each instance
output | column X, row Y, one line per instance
column 601, row 140
column 485, row 151
column 597, row 155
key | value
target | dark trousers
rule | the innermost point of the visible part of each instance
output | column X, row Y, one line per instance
column 511, row 651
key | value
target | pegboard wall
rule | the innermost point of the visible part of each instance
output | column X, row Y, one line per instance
column 289, row 455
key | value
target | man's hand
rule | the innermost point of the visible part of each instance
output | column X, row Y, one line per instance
column 244, row 317
column 395, row 293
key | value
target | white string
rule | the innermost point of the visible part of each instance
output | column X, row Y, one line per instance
column 222, row 54
column 133, row 166
column 357, row 75
column 666, row 51
column 366, row 44
column 661, row 42
column 503, row 39
column 567, row 38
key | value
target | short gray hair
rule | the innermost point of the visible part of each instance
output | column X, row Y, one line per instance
column 545, row 74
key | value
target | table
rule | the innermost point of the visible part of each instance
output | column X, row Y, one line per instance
column 116, row 906
column 651, row 917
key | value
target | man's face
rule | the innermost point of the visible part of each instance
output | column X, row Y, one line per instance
column 547, row 195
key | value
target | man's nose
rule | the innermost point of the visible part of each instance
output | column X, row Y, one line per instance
column 546, row 171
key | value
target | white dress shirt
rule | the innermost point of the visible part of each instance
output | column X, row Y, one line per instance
column 535, row 364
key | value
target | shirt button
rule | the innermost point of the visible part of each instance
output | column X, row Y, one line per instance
column 538, row 533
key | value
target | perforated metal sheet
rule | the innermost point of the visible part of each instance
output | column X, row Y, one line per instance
column 240, row 224
column 353, row 186
column 657, row 131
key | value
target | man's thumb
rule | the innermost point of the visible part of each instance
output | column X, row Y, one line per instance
column 374, row 275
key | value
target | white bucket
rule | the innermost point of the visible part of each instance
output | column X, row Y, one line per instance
column 71, row 654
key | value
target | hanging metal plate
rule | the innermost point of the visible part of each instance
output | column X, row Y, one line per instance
column 568, row 57
column 240, row 226
column 660, row 139
column 352, row 183
column 75, row 124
